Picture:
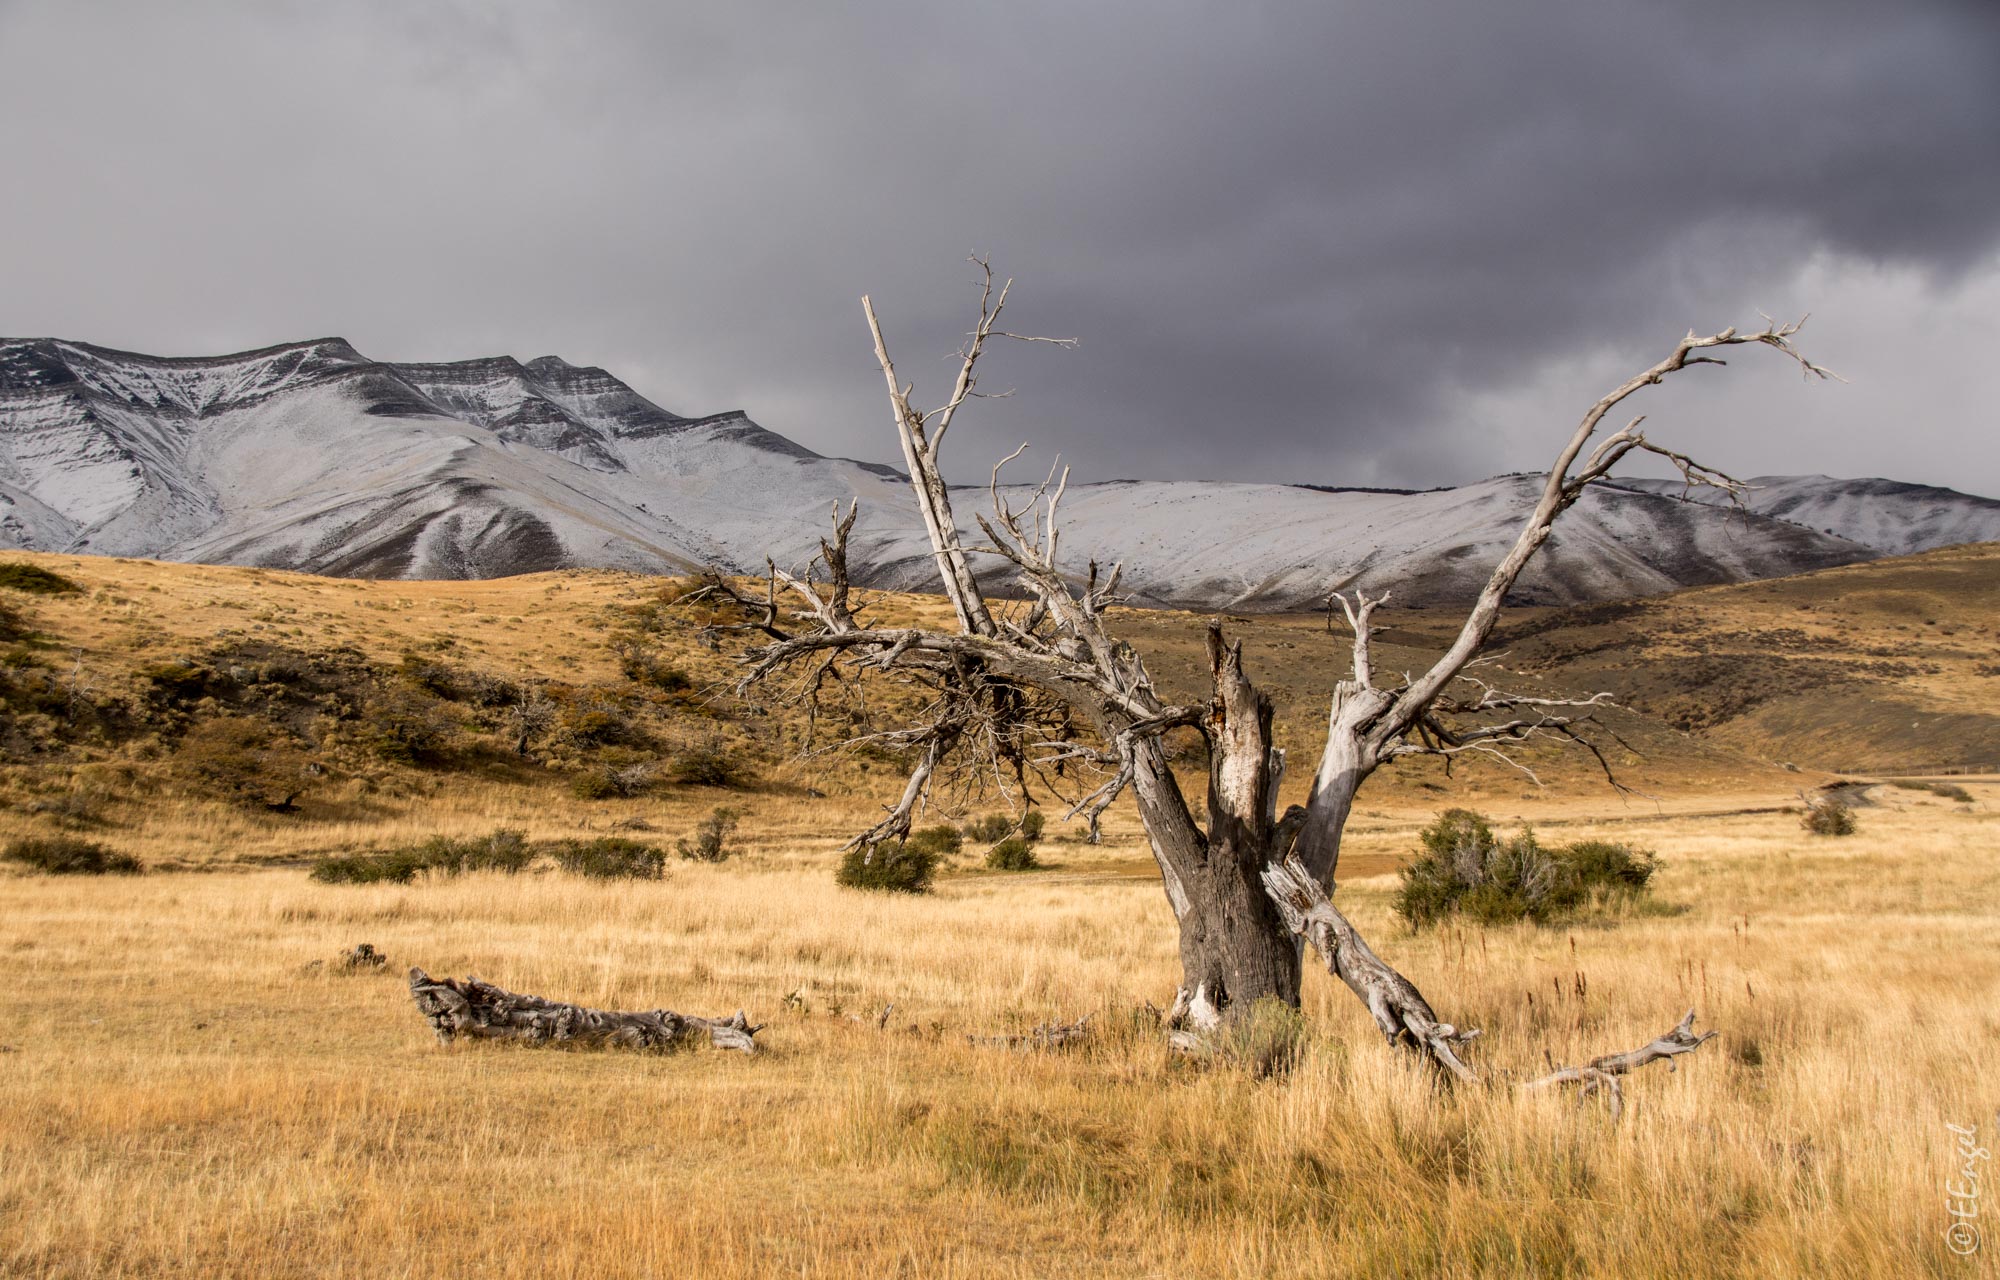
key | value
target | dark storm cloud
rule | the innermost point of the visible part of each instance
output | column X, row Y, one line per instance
column 1355, row 243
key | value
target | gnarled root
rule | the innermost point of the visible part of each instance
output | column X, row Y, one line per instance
column 483, row 1011
column 1601, row 1075
column 1399, row 1009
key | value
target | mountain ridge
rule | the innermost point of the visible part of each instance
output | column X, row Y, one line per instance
column 310, row 455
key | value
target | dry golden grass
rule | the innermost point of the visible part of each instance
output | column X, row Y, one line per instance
column 182, row 1098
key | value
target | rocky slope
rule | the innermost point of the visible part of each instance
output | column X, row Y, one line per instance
column 312, row 456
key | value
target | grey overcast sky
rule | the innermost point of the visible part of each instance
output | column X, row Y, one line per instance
column 1349, row 242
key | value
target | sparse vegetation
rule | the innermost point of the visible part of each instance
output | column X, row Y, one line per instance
column 710, row 842
column 1466, row 870
column 891, row 867
column 71, row 856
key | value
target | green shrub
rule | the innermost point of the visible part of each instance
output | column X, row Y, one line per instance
column 71, row 856
column 943, row 840
column 1012, row 854
column 1033, row 823
column 13, row 623
column 1466, row 870
column 710, row 842
column 611, row 858
column 890, row 868
column 16, row 575
column 1828, row 817
column 989, row 829
column 503, row 850
column 1609, row 864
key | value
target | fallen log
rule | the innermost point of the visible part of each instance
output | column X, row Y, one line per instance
column 483, row 1011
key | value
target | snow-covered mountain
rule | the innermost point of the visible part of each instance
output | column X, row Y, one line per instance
column 311, row 456
column 1892, row 517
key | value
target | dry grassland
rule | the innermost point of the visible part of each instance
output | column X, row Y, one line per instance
column 180, row 1096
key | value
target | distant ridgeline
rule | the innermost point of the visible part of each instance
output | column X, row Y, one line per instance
column 312, row 456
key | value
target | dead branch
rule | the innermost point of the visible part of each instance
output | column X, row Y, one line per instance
column 1400, row 1011
column 483, row 1011
column 1601, row 1074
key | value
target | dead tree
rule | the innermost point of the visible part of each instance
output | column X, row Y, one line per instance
column 1044, row 687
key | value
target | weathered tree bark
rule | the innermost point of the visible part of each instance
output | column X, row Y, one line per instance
column 483, row 1011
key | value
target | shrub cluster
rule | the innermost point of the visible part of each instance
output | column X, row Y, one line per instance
column 610, row 858
column 71, row 856
column 503, row 850
column 902, row 867
column 1465, row 869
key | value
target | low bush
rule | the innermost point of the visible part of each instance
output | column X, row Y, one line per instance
column 1467, row 870
column 710, row 840
column 1828, row 817
column 16, row 575
column 1012, row 854
column 71, row 856
column 611, row 858
column 503, row 850
column 889, row 868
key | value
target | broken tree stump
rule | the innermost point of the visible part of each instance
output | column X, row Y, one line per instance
column 483, row 1011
